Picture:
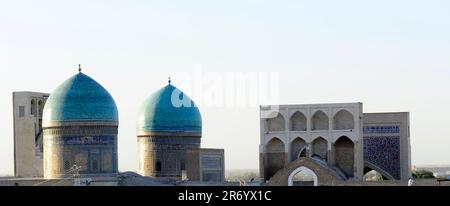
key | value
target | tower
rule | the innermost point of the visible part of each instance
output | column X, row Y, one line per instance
column 28, row 141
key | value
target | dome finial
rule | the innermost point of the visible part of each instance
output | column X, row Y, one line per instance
column 79, row 67
column 170, row 81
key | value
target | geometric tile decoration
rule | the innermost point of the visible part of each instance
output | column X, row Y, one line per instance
column 384, row 152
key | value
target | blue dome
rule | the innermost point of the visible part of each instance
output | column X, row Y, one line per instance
column 80, row 98
column 160, row 114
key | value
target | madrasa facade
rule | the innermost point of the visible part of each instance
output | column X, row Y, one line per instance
column 74, row 130
column 332, row 144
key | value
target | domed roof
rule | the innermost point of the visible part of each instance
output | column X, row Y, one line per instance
column 80, row 98
column 160, row 114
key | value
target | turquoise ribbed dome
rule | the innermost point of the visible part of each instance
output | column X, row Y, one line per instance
column 80, row 98
column 158, row 114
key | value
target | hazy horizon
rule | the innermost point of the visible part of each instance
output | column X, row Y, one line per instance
column 392, row 56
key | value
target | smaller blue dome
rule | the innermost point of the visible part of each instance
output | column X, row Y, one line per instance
column 169, row 110
column 80, row 98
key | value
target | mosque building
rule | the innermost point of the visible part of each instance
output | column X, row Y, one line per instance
column 332, row 144
column 169, row 132
column 169, row 124
column 80, row 124
column 74, row 131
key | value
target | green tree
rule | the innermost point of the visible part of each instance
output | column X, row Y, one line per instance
column 247, row 176
column 422, row 174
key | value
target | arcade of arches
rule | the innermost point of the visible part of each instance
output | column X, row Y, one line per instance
column 312, row 140
column 342, row 120
column 356, row 146
column 276, row 158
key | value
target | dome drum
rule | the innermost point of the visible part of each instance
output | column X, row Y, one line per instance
column 94, row 153
column 165, row 156
column 169, row 134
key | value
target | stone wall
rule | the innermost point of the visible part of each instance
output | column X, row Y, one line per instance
column 418, row 182
column 206, row 165
column 164, row 156
column 193, row 170
column 95, row 181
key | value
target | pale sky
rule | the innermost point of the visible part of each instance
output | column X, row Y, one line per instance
column 390, row 55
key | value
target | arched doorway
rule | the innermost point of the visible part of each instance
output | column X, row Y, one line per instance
column 298, row 148
column 33, row 107
column 326, row 175
column 298, row 122
column 319, row 121
column 345, row 155
column 275, row 157
column 302, row 176
column 343, row 120
column 41, row 107
column 277, row 123
column 320, row 148
column 302, row 153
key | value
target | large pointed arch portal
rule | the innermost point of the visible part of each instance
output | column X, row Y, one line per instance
column 302, row 170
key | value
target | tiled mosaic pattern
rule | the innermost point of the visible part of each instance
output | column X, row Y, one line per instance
column 384, row 152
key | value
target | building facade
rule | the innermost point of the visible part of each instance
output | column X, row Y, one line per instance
column 206, row 165
column 337, row 141
column 387, row 147
column 28, row 138
column 80, row 123
column 331, row 133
